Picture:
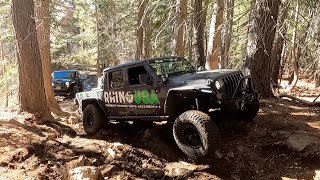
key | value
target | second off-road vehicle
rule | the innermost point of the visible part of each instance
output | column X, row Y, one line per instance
column 170, row 89
column 66, row 82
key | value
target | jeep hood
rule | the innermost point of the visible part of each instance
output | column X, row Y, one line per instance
column 199, row 78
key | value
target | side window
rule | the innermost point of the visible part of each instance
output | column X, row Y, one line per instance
column 116, row 79
column 133, row 74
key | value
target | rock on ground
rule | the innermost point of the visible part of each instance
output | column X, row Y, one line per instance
column 85, row 172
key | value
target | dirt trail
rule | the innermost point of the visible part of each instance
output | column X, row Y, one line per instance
column 282, row 142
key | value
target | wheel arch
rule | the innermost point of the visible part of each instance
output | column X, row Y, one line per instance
column 96, row 102
column 184, row 98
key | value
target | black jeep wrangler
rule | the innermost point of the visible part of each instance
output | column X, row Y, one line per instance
column 66, row 82
column 169, row 89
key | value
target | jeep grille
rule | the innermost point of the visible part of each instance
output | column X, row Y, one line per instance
column 231, row 82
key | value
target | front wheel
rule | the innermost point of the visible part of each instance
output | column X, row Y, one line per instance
column 93, row 118
column 196, row 134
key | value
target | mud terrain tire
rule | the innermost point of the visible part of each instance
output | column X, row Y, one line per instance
column 250, row 112
column 196, row 134
column 93, row 118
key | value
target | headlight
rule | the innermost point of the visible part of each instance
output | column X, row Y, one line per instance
column 219, row 84
column 52, row 84
column 67, row 84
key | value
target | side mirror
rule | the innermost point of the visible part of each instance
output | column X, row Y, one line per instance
column 145, row 79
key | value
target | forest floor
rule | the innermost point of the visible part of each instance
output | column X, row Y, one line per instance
column 283, row 142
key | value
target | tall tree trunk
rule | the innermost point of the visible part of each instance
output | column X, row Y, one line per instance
column 43, row 35
column 1, row 50
column 179, row 29
column 199, row 24
column 147, row 37
column 140, row 28
column 261, row 34
column 214, row 41
column 227, row 34
column 98, row 64
column 31, row 88
column 317, row 76
column 294, row 49
column 277, row 49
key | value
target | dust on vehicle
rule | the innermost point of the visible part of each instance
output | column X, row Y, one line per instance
column 170, row 89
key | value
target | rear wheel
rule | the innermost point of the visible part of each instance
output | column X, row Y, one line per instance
column 93, row 118
column 196, row 134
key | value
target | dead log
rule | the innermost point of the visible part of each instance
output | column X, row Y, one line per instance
column 308, row 103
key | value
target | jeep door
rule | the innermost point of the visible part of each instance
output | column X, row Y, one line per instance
column 141, row 83
column 115, row 91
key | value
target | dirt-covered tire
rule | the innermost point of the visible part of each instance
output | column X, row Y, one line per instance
column 196, row 134
column 250, row 112
column 93, row 119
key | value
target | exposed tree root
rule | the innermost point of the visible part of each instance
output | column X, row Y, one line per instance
column 314, row 103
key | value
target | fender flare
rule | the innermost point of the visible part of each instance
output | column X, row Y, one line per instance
column 87, row 101
column 192, row 89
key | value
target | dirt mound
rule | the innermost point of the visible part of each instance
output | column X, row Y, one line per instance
column 281, row 143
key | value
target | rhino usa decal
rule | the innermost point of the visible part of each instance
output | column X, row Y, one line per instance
column 132, row 99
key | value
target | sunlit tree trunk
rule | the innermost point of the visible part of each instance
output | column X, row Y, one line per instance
column 43, row 34
column 147, row 37
column 179, row 27
column 199, row 25
column 277, row 49
column 227, row 33
column 294, row 49
column 214, row 41
column 98, row 64
column 140, row 28
column 261, row 34
column 31, row 86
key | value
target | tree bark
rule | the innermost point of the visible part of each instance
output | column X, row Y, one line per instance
column 140, row 28
column 278, row 45
column 227, row 33
column 261, row 34
column 294, row 59
column 31, row 87
column 199, row 24
column 43, row 35
column 147, row 37
column 179, row 29
column 214, row 42
column 98, row 64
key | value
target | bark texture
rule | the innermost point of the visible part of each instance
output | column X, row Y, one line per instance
column 261, row 32
column 278, row 45
column 179, row 29
column 294, row 50
column 31, row 88
column 140, row 28
column 43, row 35
column 215, row 41
column 227, row 33
column 199, row 24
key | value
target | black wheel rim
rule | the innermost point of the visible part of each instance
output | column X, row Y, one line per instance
column 191, row 137
column 90, row 119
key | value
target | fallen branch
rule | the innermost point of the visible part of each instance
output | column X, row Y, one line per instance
column 314, row 103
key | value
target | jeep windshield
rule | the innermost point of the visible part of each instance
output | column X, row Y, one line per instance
column 171, row 66
column 63, row 75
